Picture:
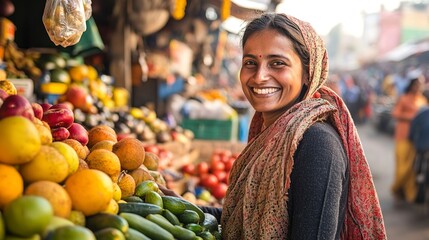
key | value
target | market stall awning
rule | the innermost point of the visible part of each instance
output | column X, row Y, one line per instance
column 406, row 50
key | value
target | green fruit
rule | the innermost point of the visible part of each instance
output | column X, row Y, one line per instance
column 55, row 223
column 153, row 198
column 189, row 216
column 27, row 215
column 109, row 234
column 60, row 75
column 34, row 237
column 77, row 217
column 144, row 187
column 72, row 233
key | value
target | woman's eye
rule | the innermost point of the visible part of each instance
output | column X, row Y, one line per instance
column 277, row 64
column 249, row 63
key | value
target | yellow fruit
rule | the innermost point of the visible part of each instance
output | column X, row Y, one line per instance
column 151, row 161
column 27, row 215
column 127, row 185
column 79, row 73
column 82, row 165
column 69, row 154
column 117, row 194
column 131, row 153
column 11, row 184
column 81, row 151
column 105, row 144
column 77, row 217
column 105, row 161
column 44, row 131
column 8, row 87
column 90, row 190
column 54, row 193
column 113, row 207
column 49, row 164
column 19, row 141
column 92, row 73
column 141, row 174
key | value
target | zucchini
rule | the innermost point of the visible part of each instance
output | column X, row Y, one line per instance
column 189, row 216
column 142, row 209
column 177, row 231
column 133, row 234
column 170, row 217
column 148, row 228
column 132, row 199
column 173, row 204
column 109, row 234
column 101, row 221
column 196, row 228
column 206, row 235
column 153, row 198
column 210, row 222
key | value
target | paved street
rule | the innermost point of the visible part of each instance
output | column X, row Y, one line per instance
column 403, row 221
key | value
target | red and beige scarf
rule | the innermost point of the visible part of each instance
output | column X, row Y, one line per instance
column 256, row 203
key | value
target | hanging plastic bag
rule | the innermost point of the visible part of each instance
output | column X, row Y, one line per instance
column 64, row 21
column 87, row 8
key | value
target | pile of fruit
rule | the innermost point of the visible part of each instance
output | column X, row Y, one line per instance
column 83, row 184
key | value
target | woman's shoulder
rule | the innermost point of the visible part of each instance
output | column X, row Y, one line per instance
column 321, row 130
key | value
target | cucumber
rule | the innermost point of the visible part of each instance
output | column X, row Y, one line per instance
column 170, row 217
column 132, row 199
column 135, row 235
column 34, row 237
column 196, row 228
column 153, row 198
column 142, row 209
column 189, row 216
column 173, row 204
column 206, row 235
column 144, row 187
column 217, row 235
column 148, row 228
column 210, row 222
column 101, row 221
column 191, row 206
column 177, row 231
column 109, row 234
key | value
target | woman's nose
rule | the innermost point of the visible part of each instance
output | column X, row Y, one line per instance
column 262, row 74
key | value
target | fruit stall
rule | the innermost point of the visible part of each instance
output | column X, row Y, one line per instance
column 87, row 147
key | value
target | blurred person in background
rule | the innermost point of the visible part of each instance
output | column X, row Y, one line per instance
column 419, row 136
column 405, row 109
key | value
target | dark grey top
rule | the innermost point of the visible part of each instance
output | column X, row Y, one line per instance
column 319, row 186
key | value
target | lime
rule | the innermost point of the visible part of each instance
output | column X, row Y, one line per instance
column 72, row 233
column 27, row 215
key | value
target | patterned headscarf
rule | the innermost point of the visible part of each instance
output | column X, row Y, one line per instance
column 256, row 203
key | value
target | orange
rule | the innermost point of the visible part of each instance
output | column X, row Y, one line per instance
column 131, row 153
column 100, row 133
column 90, row 191
column 54, row 193
column 104, row 160
column 79, row 73
column 19, row 141
column 11, row 184
column 49, row 164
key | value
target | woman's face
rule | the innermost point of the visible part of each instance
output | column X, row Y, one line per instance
column 272, row 74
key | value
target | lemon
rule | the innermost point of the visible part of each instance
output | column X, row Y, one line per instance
column 77, row 217
column 19, row 141
column 27, row 215
column 72, row 233
column 69, row 154
column 11, row 184
column 48, row 164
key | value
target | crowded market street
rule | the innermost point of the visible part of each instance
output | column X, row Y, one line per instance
column 402, row 220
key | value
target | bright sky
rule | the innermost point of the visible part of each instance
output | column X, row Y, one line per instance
column 325, row 14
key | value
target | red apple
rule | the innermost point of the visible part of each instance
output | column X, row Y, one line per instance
column 60, row 133
column 62, row 105
column 45, row 106
column 202, row 168
column 77, row 96
column 38, row 110
column 220, row 174
column 79, row 133
column 16, row 105
column 58, row 117
column 209, row 180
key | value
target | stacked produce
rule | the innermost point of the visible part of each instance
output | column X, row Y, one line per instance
column 83, row 186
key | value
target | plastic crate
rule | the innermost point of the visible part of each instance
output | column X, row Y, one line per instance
column 211, row 129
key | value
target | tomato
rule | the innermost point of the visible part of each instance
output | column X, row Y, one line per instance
column 215, row 158
column 219, row 191
column 228, row 164
column 220, row 174
column 209, row 180
column 189, row 169
column 217, row 166
column 202, row 168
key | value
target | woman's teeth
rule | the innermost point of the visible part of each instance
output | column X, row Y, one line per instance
column 264, row 90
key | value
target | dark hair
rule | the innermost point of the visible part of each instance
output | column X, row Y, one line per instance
column 283, row 25
column 412, row 82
